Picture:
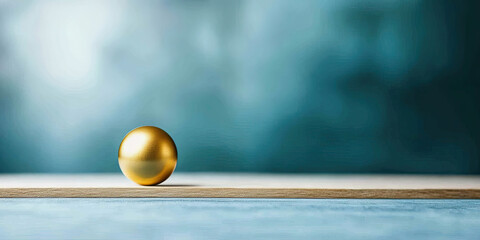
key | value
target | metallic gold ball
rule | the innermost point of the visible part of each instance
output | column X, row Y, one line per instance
column 147, row 155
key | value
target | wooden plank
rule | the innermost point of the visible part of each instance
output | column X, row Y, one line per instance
column 235, row 185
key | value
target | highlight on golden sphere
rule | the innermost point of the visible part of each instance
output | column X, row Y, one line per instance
column 147, row 155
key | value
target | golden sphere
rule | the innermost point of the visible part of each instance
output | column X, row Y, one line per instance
column 147, row 155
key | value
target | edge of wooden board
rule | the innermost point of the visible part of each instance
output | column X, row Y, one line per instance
column 189, row 192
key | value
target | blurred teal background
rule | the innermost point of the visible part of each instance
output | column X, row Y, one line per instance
column 263, row 86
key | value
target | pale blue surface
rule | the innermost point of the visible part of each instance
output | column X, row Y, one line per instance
column 238, row 219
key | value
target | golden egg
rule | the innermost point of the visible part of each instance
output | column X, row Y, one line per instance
column 147, row 155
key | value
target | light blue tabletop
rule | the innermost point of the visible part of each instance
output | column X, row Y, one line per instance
column 238, row 219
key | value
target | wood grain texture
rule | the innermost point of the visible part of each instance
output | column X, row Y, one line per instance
column 234, row 185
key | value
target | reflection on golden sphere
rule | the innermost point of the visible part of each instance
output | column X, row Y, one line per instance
column 147, row 155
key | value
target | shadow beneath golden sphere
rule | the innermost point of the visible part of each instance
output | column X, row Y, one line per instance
column 174, row 185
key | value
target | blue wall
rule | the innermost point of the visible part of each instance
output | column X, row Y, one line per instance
column 274, row 86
